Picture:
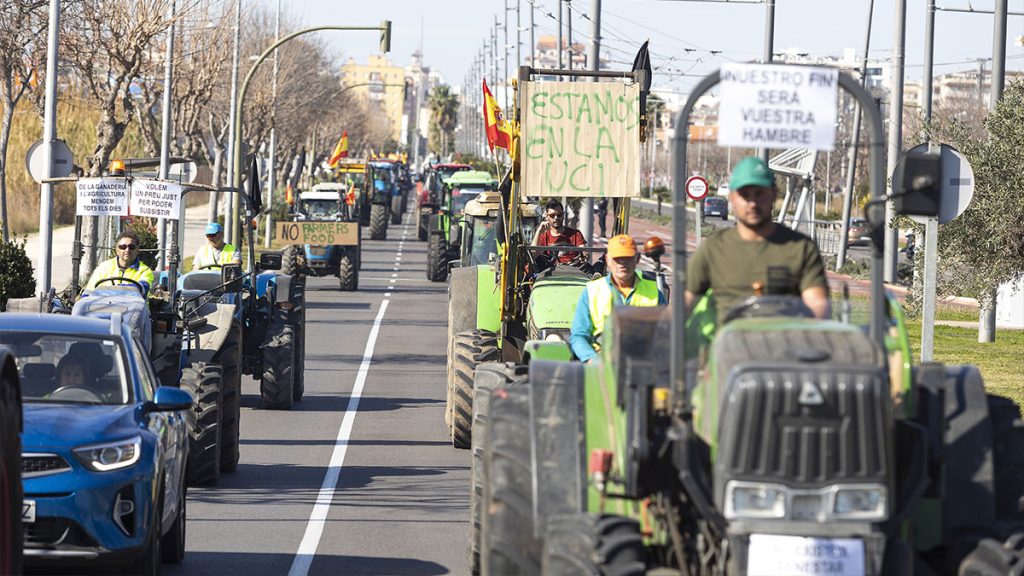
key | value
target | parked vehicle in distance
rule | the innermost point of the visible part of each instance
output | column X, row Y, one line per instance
column 716, row 206
column 105, row 447
column 858, row 235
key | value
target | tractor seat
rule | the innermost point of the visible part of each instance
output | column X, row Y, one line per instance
column 202, row 281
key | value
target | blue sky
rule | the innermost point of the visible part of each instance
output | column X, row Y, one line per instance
column 688, row 39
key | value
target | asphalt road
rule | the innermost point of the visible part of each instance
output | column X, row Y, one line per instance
column 359, row 477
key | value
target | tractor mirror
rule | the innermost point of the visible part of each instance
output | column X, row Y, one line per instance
column 231, row 277
column 271, row 261
column 917, row 184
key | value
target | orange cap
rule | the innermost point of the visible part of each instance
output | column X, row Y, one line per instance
column 621, row 246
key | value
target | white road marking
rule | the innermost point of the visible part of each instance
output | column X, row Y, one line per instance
column 315, row 528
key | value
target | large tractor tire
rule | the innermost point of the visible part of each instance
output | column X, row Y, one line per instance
column 593, row 545
column 508, row 544
column 277, row 385
column 297, row 319
column 230, row 359
column 203, row 381
column 378, row 222
column 172, row 543
column 1008, row 455
column 462, row 300
column 405, row 200
column 437, row 258
column 396, row 209
column 10, row 481
column 994, row 558
column 291, row 261
column 421, row 224
column 488, row 377
column 348, row 271
column 470, row 349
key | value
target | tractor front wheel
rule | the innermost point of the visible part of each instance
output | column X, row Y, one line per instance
column 378, row 222
column 348, row 272
column 470, row 349
column 421, row 224
column 437, row 258
column 203, row 381
column 396, row 209
column 277, row 386
column 593, row 545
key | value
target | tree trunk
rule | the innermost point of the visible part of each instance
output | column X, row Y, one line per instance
column 5, row 137
column 987, row 317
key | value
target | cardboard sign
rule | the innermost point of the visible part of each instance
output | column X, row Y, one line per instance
column 155, row 199
column 322, row 233
column 777, row 106
column 580, row 139
column 102, row 197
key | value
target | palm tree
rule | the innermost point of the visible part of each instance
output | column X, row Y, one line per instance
column 444, row 108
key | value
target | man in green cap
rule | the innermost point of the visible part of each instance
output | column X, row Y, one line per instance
column 758, row 256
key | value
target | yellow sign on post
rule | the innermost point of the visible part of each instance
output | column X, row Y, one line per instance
column 580, row 139
column 323, row 233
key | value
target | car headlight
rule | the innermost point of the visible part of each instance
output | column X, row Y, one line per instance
column 111, row 455
column 867, row 502
column 749, row 500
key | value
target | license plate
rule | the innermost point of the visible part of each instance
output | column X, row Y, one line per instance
column 772, row 555
column 28, row 511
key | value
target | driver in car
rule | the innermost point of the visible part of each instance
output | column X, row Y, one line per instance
column 758, row 251
column 553, row 231
column 123, row 269
column 215, row 253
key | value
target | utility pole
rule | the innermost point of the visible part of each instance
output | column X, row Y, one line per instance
column 931, row 226
column 851, row 167
column 49, row 137
column 987, row 318
column 231, row 206
column 769, row 49
column 568, row 19
column 269, row 232
column 560, row 64
column 504, row 79
column 895, row 138
column 494, row 52
column 519, row 34
column 587, row 222
column 165, row 137
column 533, row 45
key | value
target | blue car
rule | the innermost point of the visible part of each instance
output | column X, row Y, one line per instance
column 104, row 448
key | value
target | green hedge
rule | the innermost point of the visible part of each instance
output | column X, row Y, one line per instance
column 17, row 279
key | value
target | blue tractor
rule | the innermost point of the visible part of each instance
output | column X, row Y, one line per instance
column 330, row 202
column 387, row 199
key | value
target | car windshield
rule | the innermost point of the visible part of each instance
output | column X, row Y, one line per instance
column 319, row 208
column 462, row 196
column 715, row 201
column 355, row 178
column 68, row 368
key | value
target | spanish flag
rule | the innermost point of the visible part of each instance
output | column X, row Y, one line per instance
column 340, row 151
column 499, row 131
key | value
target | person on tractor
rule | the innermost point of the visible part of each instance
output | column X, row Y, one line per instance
column 758, row 256
column 623, row 286
column 553, row 231
column 124, row 268
column 215, row 252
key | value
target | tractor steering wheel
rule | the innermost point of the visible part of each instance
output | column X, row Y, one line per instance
column 765, row 306
column 75, row 393
column 209, row 266
column 135, row 283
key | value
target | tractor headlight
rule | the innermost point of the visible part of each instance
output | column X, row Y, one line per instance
column 749, row 500
column 867, row 502
column 110, row 456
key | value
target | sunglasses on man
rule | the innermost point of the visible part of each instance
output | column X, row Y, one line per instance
column 127, row 247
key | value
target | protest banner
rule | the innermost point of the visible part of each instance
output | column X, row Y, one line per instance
column 323, row 233
column 101, row 197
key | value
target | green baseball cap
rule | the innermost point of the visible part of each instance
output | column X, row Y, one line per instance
column 751, row 171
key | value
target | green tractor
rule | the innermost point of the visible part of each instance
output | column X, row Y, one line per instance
column 444, row 227
column 777, row 444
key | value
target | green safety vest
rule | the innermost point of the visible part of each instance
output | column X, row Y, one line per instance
column 208, row 256
column 645, row 293
column 110, row 269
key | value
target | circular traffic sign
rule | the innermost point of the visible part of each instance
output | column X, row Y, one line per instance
column 35, row 161
column 957, row 186
column 696, row 188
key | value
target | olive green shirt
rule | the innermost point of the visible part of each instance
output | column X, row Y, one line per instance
column 786, row 262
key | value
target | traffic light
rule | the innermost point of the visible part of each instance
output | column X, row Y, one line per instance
column 385, row 36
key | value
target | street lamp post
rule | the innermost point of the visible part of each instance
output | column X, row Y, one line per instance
column 236, row 160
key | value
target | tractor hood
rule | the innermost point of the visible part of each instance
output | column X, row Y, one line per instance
column 553, row 302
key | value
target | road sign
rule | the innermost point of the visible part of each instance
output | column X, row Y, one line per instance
column 155, row 199
column 323, row 233
column 102, row 197
column 777, row 106
column 957, row 183
column 696, row 188
column 35, row 161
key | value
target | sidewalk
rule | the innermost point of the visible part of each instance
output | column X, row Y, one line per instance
column 64, row 236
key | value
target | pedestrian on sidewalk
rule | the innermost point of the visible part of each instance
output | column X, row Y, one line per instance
column 602, row 215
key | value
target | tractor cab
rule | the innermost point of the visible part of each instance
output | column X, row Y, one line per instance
column 480, row 225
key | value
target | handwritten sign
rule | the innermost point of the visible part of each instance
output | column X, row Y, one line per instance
column 101, row 197
column 777, row 106
column 580, row 139
column 155, row 199
column 323, row 233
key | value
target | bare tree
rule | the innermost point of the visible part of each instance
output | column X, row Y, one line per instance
column 21, row 25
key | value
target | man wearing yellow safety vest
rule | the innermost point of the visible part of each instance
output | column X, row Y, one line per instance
column 215, row 253
column 623, row 286
column 125, row 264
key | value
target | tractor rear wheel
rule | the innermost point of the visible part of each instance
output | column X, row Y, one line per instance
column 230, row 359
column 378, row 222
column 593, row 545
column 396, row 209
column 508, row 544
column 277, row 385
column 421, row 224
column 488, row 377
column 470, row 349
column 437, row 258
column 348, row 272
column 290, row 261
column 203, row 381
column 297, row 318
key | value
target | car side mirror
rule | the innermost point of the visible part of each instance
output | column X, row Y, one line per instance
column 271, row 261
column 231, row 277
column 917, row 184
column 169, row 399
